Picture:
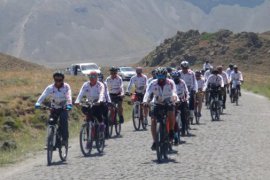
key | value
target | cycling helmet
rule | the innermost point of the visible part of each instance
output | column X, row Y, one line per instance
column 93, row 75
column 58, row 74
column 231, row 65
column 113, row 69
column 175, row 75
column 138, row 69
column 235, row 67
column 184, row 64
column 161, row 73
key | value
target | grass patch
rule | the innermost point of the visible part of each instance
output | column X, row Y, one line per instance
column 258, row 84
column 208, row 36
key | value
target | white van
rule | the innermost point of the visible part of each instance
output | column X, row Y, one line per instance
column 84, row 68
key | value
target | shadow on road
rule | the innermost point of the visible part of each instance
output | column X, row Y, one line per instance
column 58, row 163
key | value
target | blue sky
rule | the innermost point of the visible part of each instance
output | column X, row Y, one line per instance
column 208, row 5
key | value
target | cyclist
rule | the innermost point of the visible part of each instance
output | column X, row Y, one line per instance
column 182, row 93
column 140, row 81
column 94, row 91
column 207, row 73
column 153, row 73
column 229, row 70
column 169, row 72
column 116, row 90
column 200, row 94
column 61, row 102
column 236, row 79
column 164, row 91
column 215, row 80
column 107, row 101
column 206, row 65
column 189, row 77
column 226, row 85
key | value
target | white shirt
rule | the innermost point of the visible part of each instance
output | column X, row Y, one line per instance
column 161, row 95
column 207, row 66
column 107, row 97
column 150, row 80
column 190, row 80
column 93, row 93
column 229, row 71
column 225, row 78
column 236, row 78
column 59, row 97
column 215, row 80
column 115, row 85
column 201, row 84
column 207, row 74
column 182, row 90
column 140, row 83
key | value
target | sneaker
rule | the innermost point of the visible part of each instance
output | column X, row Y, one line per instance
column 153, row 147
column 121, row 118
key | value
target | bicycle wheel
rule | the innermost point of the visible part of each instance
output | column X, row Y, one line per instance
column 117, row 125
column 217, row 110
column 110, row 124
column 212, row 110
column 50, row 145
column 63, row 151
column 136, row 117
column 100, row 139
column 236, row 96
column 86, row 141
column 142, row 120
column 159, row 142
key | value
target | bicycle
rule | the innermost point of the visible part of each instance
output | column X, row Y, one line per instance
column 215, row 105
column 92, row 131
column 54, row 138
column 113, row 119
column 163, row 143
column 137, row 113
column 198, row 102
column 235, row 95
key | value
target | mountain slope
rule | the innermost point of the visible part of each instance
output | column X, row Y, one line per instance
column 10, row 63
column 249, row 50
column 61, row 32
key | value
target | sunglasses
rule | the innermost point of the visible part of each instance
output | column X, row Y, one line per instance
column 58, row 80
column 92, row 76
column 161, row 77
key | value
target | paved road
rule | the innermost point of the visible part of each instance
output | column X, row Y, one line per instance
column 237, row 147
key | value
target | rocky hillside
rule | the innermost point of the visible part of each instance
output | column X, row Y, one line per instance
column 8, row 63
column 249, row 50
column 62, row 32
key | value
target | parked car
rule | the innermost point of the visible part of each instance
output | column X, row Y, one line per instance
column 84, row 69
column 126, row 72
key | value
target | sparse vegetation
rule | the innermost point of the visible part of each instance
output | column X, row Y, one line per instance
column 20, row 123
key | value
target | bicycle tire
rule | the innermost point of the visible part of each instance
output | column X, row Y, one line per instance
column 63, row 151
column 144, row 125
column 50, row 145
column 85, row 141
column 100, row 140
column 159, row 143
column 110, row 124
column 117, row 125
column 136, row 120
column 212, row 110
column 217, row 110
